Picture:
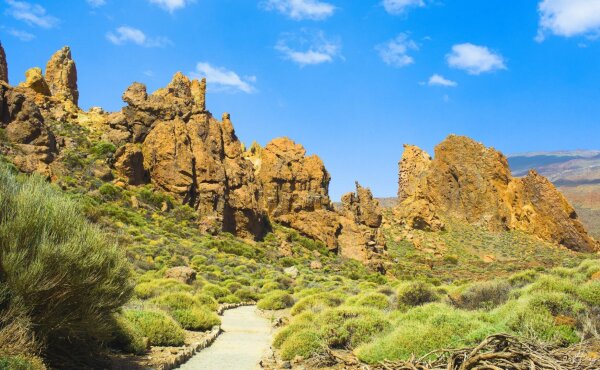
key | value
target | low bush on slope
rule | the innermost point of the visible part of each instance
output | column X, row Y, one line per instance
column 60, row 278
column 394, row 322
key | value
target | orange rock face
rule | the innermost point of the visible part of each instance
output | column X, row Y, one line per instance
column 188, row 153
column 471, row 183
column 292, row 182
column 61, row 75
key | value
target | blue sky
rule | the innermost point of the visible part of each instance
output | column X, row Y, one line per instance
column 350, row 80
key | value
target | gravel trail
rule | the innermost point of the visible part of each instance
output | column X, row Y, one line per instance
column 246, row 337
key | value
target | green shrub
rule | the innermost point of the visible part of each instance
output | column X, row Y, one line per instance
column 305, row 343
column 484, row 295
column 215, row 291
column 246, row 294
column 523, row 278
column 301, row 321
column 56, row 269
column 270, row 286
column 276, row 300
column 21, row 363
column 416, row 293
column 374, row 300
column 153, row 288
column 157, row 326
column 207, row 301
column 233, row 286
column 424, row 329
column 198, row 319
column 232, row 299
column 127, row 337
column 318, row 302
column 102, row 149
column 533, row 316
column 590, row 293
column 109, row 192
column 347, row 327
column 176, row 301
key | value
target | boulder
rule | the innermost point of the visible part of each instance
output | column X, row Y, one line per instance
column 183, row 274
column 34, row 79
column 291, row 271
column 61, row 76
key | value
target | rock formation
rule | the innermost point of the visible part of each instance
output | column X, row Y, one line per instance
column 3, row 65
column 34, row 79
column 176, row 144
column 61, row 75
column 296, row 190
column 33, row 144
column 362, row 207
column 471, row 183
column 360, row 237
column 296, row 194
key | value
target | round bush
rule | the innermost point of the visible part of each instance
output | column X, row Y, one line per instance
column 276, row 300
column 305, row 343
column 197, row 319
column 318, row 302
column 484, row 295
column 232, row 299
column 416, row 293
column 127, row 337
column 153, row 288
column 176, row 301
column 207, row 301
column 375, row 300
column 590, row 293
column 158, row 327
column 215, row 291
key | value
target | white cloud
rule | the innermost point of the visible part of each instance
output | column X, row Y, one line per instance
column 301, row 9
column 32, row 14
column 438, row 80
column 474, row 59
column 171, row 5
column 308, row 48
column 569, row 18
column 223, row 79
column 126, row 34
column 400, row 6
column 96, row 3
column 21, row 35
column 395, row 52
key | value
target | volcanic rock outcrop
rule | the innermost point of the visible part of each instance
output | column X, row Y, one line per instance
column 61, row 75
column 361, row 237
column 171, row 140
column 3, row 65
column 296, row 190
column 471, row 183
column 33, row 144
column 296, row 194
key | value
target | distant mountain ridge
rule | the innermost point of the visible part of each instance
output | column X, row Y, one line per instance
column 563, row 168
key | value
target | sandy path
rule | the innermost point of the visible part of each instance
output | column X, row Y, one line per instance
column 246, row 337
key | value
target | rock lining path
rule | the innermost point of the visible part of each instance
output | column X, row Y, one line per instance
column 245, row 339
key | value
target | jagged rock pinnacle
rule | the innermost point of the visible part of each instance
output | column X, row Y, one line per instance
column 61, row 75
column 3, row 65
